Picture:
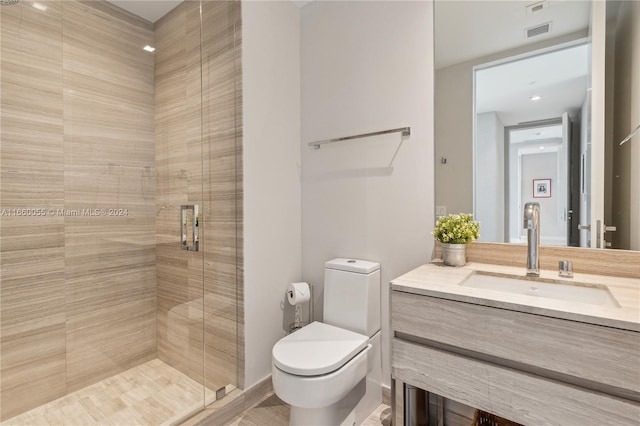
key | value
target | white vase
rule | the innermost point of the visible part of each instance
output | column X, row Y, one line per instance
column 454, row 254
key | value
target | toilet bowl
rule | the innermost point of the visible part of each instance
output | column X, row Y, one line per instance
column 318, row 365
column 329, row 373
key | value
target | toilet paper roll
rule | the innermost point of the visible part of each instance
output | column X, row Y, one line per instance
column 298, row 293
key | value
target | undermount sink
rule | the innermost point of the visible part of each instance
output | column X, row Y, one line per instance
column 578, row 292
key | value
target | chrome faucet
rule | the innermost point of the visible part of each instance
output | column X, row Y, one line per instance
column 532, row 225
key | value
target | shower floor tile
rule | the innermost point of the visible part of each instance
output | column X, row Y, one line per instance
column 150, row 394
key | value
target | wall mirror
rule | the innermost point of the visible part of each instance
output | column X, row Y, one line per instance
column 524, row 99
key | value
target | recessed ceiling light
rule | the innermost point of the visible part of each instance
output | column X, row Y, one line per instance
column 39, row 6
column 542, row 147
column 535, row 98
column 149, row 48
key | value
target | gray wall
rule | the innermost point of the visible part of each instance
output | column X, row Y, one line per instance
column 454, row 125
column 490, row 177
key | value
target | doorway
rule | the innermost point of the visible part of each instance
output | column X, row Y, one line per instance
column 537, row 161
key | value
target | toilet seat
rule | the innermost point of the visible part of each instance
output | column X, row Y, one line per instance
column 317, row 349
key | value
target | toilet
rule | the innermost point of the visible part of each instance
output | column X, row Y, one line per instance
column 330, row 372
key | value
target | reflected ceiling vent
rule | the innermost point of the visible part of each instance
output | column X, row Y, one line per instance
column 537, row 30
column 536, row 7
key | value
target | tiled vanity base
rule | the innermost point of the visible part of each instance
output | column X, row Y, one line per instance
column 518, row 396
column 571, row 351
column 532, row 360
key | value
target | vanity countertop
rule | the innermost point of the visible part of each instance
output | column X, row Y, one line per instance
column 437, row 280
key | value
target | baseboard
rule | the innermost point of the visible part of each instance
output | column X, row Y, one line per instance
column 235, row 403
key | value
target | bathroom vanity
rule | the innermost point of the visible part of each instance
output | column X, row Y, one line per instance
column 543, row 351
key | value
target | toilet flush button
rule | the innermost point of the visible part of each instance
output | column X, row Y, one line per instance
column 351, row 261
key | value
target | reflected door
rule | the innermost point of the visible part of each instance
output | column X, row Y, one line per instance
column 538, row 171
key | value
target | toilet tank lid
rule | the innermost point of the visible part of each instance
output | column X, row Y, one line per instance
column 352, row 265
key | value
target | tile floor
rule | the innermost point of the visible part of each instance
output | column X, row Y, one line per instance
column 273, row 412
column 150, row 394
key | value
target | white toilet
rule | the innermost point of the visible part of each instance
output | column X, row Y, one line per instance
column 330, row 373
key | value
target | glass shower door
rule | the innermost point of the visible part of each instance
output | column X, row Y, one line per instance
column 222, row 156
column 180, row 240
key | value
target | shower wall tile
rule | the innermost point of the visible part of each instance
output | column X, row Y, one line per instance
column 109, row 339
column 33, row 328
column 109, row 167
column 33, row 369
column 77, row 132
column 32, row 331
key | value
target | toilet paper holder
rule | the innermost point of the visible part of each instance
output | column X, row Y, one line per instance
column 297, row 325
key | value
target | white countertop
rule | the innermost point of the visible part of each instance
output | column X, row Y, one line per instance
column 437, row 280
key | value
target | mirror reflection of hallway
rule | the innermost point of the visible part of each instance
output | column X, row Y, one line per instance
column 528, row 115
column 537, row 161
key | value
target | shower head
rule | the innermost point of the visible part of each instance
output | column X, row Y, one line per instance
column 8, row 2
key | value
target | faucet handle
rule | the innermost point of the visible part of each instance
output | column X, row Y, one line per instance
column 565, row 268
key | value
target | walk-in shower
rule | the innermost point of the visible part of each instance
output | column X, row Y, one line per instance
column 104, row 318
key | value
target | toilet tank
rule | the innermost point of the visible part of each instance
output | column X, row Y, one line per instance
column 352, row 295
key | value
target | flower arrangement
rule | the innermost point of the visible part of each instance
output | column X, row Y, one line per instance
column 457, row 229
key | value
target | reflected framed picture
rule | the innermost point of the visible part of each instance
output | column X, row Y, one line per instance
column 542, row 188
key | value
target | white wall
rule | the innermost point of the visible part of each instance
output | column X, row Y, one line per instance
column 367, row 66
column 272, row 227
column 489, row 182
column 543, row 166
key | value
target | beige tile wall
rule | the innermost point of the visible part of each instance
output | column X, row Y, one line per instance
column 32, row 361
column 78, row 293
column 180, row 161
column 109, row 163
column 90, row 121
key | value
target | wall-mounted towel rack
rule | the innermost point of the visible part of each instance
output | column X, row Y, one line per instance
column 633, row 132
column 406, row 131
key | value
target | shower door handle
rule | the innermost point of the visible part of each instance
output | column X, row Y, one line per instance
column 189, row 222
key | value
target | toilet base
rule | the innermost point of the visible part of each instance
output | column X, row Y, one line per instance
column 341, row 413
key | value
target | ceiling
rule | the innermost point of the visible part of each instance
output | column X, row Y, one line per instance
column 560, row 77
column 465, row 30
column 471, row 29
column 544, row 133
column 151, row 10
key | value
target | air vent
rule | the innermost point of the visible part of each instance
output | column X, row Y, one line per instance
column 537, row 30
column 536, row 7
